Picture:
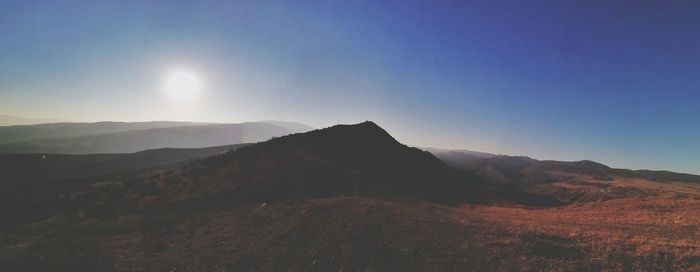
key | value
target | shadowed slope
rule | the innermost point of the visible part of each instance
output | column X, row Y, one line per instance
column 34, row 186
column 341, row 160
column 24, row 168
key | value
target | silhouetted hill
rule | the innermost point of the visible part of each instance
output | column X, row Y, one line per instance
column 111, row 137
column 360, row 159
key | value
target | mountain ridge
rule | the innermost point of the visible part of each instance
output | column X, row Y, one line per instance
column 470, row 160
column 121, row 137
column 12, row 120
column 339, row 160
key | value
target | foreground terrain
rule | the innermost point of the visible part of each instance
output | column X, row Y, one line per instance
column 350, row 198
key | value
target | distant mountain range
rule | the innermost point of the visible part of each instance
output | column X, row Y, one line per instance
column 12, row 120
column 123, row 137
column 554, row 178
column 518, row 171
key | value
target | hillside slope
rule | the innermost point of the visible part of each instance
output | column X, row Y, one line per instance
column 33, row 168
column 340, row 160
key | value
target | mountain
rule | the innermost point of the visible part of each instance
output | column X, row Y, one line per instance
column 577, row 181
column 13, row 120
column 344, row 198
column 109, row 137
column 24, row 133
column 340, row 160
column 519, row 167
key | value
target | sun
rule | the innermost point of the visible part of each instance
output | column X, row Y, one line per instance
column 182, row 85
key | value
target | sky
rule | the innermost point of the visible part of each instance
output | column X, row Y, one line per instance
column 617, row 82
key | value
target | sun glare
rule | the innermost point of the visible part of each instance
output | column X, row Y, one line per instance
column 182, row 85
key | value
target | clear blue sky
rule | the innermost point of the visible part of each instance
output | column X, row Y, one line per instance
column 612, row 81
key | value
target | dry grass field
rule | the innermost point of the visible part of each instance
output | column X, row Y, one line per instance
column 622, row 224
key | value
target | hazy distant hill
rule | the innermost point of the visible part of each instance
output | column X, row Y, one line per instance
column 24, row 133
column 520, row 170
column 112, row 137
column 340, row 160
column 293, row 126
column 12, row 120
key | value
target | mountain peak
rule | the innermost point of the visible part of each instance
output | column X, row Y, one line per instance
column 369, row 123
column 339, row 160
column 366, row 135
column 366, row 126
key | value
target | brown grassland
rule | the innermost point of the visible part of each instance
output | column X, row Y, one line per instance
column 366, row 233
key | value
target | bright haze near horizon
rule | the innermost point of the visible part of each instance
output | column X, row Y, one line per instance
column 615, row 81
